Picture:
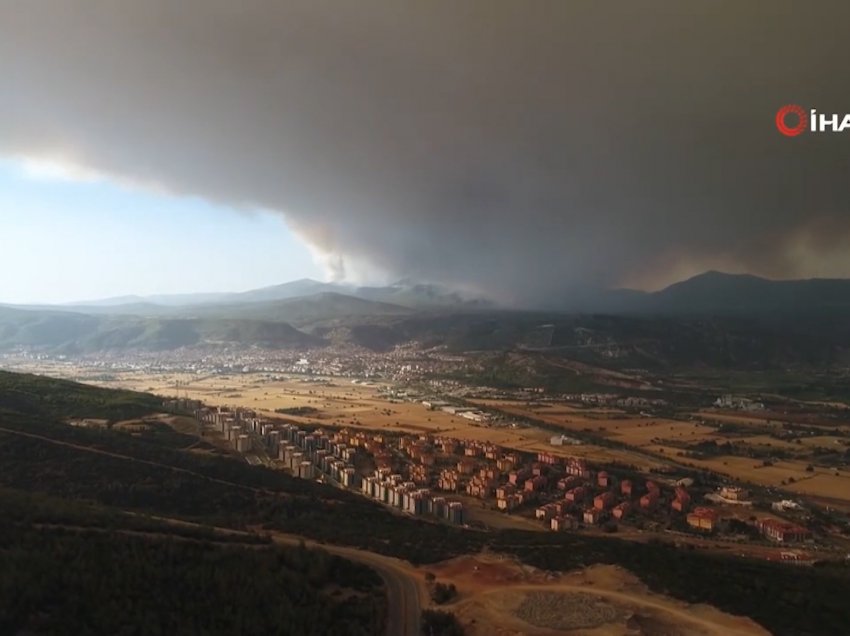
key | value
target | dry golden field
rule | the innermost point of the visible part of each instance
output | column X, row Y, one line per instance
column 765, row 441
column 652, row 440
column 339, row 401
column 640, row 432
column 613, row 423
column 824, row 484
column 336, row 401
column 820, row 482
column 825, row 441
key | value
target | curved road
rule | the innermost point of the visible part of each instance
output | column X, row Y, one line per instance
column 403, row 598
column 404, row 611
column 404, row 594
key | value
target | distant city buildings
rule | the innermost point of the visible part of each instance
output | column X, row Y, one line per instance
column 729, row 401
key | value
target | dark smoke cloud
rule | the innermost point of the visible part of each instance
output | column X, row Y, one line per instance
column 520, row 148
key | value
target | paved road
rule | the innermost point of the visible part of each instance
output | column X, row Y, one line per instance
column 404, row 613
column 403, row 599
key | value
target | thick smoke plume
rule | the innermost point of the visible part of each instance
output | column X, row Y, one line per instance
column 520, row 148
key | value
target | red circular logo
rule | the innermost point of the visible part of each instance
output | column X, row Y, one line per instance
column 802, row 120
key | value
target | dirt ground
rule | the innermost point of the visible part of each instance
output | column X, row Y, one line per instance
column 500, row 597
column 480, row 511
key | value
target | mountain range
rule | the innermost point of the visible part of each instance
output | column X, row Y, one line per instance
column 405, row 293
column 741, row 308
column 716, row 292
column 711, row 292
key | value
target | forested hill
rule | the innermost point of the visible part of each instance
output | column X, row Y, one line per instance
column 119, row 579
column 61, row 399
column 80, row 555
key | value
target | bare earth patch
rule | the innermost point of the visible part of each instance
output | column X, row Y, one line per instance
column 499, row 596
column 561, row 610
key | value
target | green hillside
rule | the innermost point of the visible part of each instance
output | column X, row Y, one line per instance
column 304, row 310
column 69, row 332
column 69, row 580
column 74, row 560
column 60, row 399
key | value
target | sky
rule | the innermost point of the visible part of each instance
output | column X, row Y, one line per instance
column 520, row 149
column 73, row 238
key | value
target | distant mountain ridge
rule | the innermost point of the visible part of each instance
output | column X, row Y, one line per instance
column 302, row 310
column 291, row 289
column 410, row 294
column 720, row 293
column 711, row 292
column 71, row 332
column 812, row 313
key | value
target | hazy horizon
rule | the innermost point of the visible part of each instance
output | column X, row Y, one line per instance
column 345, row 286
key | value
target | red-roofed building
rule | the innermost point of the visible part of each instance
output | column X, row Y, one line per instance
column 535, row 483
column 782, row 531
column 682, row 500
column 547, row 512
column 650, row 500
column 568, row 482
column 505, row 491
column 576, row 494
column 705, row 519
column 604, row 501
column 517, row 477
column 621, row 510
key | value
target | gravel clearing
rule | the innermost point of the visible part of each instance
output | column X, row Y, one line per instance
column 558, row 610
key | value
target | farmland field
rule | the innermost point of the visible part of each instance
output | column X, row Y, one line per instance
column 644, row 442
